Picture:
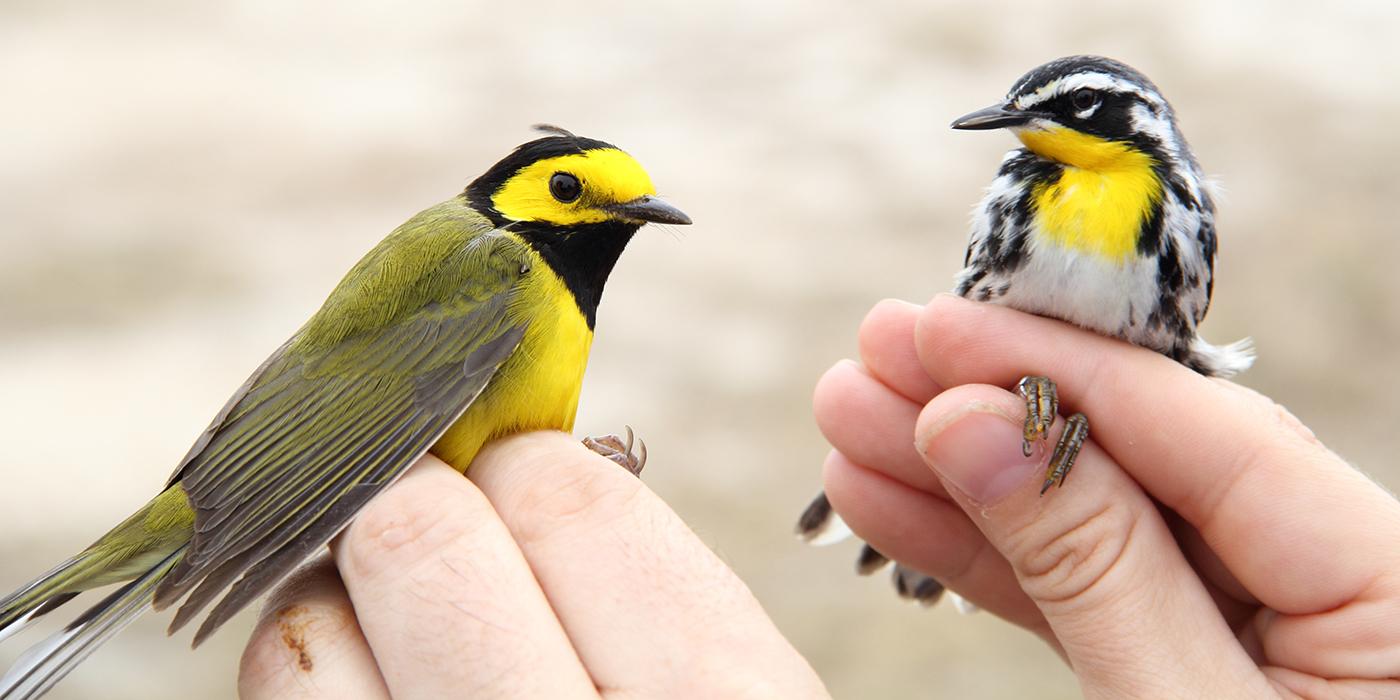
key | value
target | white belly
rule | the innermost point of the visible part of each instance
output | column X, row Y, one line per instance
column 1111, row 297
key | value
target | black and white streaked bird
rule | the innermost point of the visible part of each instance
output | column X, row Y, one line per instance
column 1103, row 219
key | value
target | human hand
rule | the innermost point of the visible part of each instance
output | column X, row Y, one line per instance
column 1271, row 566
column 550, row 573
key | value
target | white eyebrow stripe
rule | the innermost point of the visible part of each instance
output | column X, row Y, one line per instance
column 1095, row 81
column 1045, row 92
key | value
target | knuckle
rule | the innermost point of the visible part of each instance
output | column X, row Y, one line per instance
column 1290, row 423
column 409, row 523
column 1263, row 456
column 554, row 502
column 1072, row 561
column 1271, row 412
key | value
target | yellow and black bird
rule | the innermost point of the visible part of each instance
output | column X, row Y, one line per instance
column 1101, row 218
column 471, row 321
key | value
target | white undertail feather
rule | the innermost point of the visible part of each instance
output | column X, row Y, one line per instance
column 962, row 605
column 46, row 663
column 833, row 530
column 1222, row 360
column 20, row 623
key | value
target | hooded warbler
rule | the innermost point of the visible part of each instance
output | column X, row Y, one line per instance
column 470, row 321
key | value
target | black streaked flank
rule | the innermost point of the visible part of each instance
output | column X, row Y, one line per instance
column 1169, row 277
column 1011, row 220
column 1179, row 188
column 970, row 281
column 1152, row 232
column 1206, row 237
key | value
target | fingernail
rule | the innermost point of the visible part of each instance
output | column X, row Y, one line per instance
column 899, row 304
column 978, row 450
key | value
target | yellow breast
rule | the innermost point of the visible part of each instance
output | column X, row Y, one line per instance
column 1105, row 193
column 538, row 387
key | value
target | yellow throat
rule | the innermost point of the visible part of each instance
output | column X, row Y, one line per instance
column 1104, row 195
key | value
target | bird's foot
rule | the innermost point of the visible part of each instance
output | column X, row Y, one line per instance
column 1042, row 404
column 1066, row 451
column 619, row 450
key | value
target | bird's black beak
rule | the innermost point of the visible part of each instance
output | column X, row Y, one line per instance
column 995, row 117
column 648, row 208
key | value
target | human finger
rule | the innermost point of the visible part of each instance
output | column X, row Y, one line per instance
column 1272, row 502
column 1096, row 558
column 871, row 424
column 308, row 644
column 650, row 609
column 446, row 599
column 931, row 535
column 887, row 350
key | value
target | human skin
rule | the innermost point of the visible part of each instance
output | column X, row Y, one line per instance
column 550, row 572
column 1268, row 570
column 1206, row 544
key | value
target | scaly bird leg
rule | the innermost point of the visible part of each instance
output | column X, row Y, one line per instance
column 1042, row 403
column 619, row 450
column 1066, row 451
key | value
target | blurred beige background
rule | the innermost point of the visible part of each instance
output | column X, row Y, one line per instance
column 180, row 187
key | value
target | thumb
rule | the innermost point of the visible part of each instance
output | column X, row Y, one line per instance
column 1096, row 557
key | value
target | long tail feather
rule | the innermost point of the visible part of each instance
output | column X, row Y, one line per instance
column 46, row 663
column 38, row 611
column 43, row 594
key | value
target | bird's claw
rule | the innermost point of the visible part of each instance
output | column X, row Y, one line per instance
column 1066, row 451
column 619, row 450
column 1042, row 404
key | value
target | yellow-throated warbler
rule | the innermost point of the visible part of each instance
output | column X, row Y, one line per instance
column 1102, row 219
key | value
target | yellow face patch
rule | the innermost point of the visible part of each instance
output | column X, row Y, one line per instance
column 608, row 176
column 1105, row 192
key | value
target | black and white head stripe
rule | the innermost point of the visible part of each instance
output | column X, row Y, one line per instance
column 1065, row 75
column 1125, row 104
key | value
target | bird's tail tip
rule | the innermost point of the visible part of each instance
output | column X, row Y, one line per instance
column 819, row 525
column 40, row 596
column 1221, row 360
column 46, row 663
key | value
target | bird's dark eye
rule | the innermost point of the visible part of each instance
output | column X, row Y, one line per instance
column 565, row 187
column 1084, row 99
